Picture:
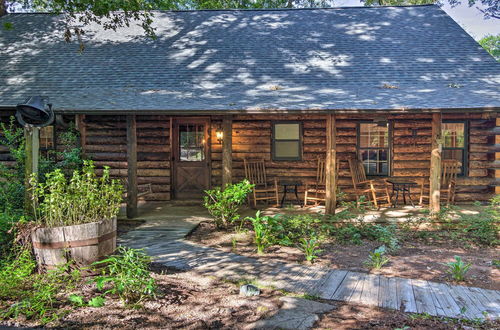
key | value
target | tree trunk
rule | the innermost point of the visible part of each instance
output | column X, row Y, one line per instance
column 3, row 8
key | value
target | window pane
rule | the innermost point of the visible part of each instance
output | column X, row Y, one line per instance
column 375, row 161
column 287, row 149
column 454, row 154
column 192, row 143
column 453, row 134
column 287, row 131
column 47, row 137
column 373, row 135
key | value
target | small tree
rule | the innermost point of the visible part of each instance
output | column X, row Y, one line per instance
column 223, row 205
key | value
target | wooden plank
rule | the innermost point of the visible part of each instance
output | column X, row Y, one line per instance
column 330, row 165
column 435, row 171
column 371, row 290
column 388, row 297
column 32, row 154
column 423, row 297
column 332, row 282
column 406, row 298
column 492, row 307
column 132, row 166
column 448, row 306
column 227, row 146
column 347, row 286
column 355, row 296
column 469, row 307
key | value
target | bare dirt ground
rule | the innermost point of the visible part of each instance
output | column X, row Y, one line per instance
column 349, row 316
column 417, row 258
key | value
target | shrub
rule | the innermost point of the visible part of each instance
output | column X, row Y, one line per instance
column 223, row 205
column 457, row 269
column 128, row 274
column 377, row 258
column 82, row 199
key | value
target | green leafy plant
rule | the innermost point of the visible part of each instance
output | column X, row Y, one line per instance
column 377, row 259
column 223, row 204
column 126, row 274
column 263, row 227
column 310, row 247
column 82, row 199
column 33, row 295
column 97, row 301
column 458, row 269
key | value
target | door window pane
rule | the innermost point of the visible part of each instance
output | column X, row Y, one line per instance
column 47, row 138
column 191, row 142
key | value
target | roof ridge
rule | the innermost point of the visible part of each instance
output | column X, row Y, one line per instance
column 254, row 9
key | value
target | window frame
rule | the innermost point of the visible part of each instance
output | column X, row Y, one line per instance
column 389, row 146
column 273, row 141
column 465, row 148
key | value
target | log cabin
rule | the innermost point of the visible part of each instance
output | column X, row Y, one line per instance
column 399, row 88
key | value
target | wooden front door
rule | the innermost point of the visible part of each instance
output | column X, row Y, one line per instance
column 191, row 158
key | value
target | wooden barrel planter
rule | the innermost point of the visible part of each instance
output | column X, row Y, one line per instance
column 84, row 243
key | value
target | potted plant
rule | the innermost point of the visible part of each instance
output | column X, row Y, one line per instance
column 76, row 217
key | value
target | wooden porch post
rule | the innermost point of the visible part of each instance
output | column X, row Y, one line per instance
column 131, row 166
column 32, row 154
column 227, row 147
column 435, row 172
column 330, row 164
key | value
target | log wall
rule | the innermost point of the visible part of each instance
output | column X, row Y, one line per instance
column 105, row 143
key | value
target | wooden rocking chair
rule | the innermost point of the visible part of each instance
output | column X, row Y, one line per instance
column 449, row 172
column 364, row 187
column 255, row 172
column 316, row 192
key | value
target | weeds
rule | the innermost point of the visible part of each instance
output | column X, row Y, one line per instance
column 458, row 269
column 128, row 275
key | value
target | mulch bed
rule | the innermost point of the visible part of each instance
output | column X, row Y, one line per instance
column 417, row 258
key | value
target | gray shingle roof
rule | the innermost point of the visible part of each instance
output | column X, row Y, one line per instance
column 310, row 59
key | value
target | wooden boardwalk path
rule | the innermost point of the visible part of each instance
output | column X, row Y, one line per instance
column 168, row 247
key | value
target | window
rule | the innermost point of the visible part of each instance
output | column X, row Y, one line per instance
column 191, row 142
column 455, row 143
column 373, row 147
column 287, row 141
column 47, row 138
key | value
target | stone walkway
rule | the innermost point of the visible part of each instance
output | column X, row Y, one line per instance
column 164, row 240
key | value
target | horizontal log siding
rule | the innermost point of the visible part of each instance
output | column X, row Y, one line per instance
column 106, row 144
column 411, row 155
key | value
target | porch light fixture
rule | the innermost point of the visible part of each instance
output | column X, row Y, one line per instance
column 219, row 134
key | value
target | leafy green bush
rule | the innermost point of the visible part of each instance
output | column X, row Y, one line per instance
column 354, row 233
column 377, row 259
column 458, row 269
column 223, row 205
column 82, row 199
column 128, row 274
column 12, row 177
